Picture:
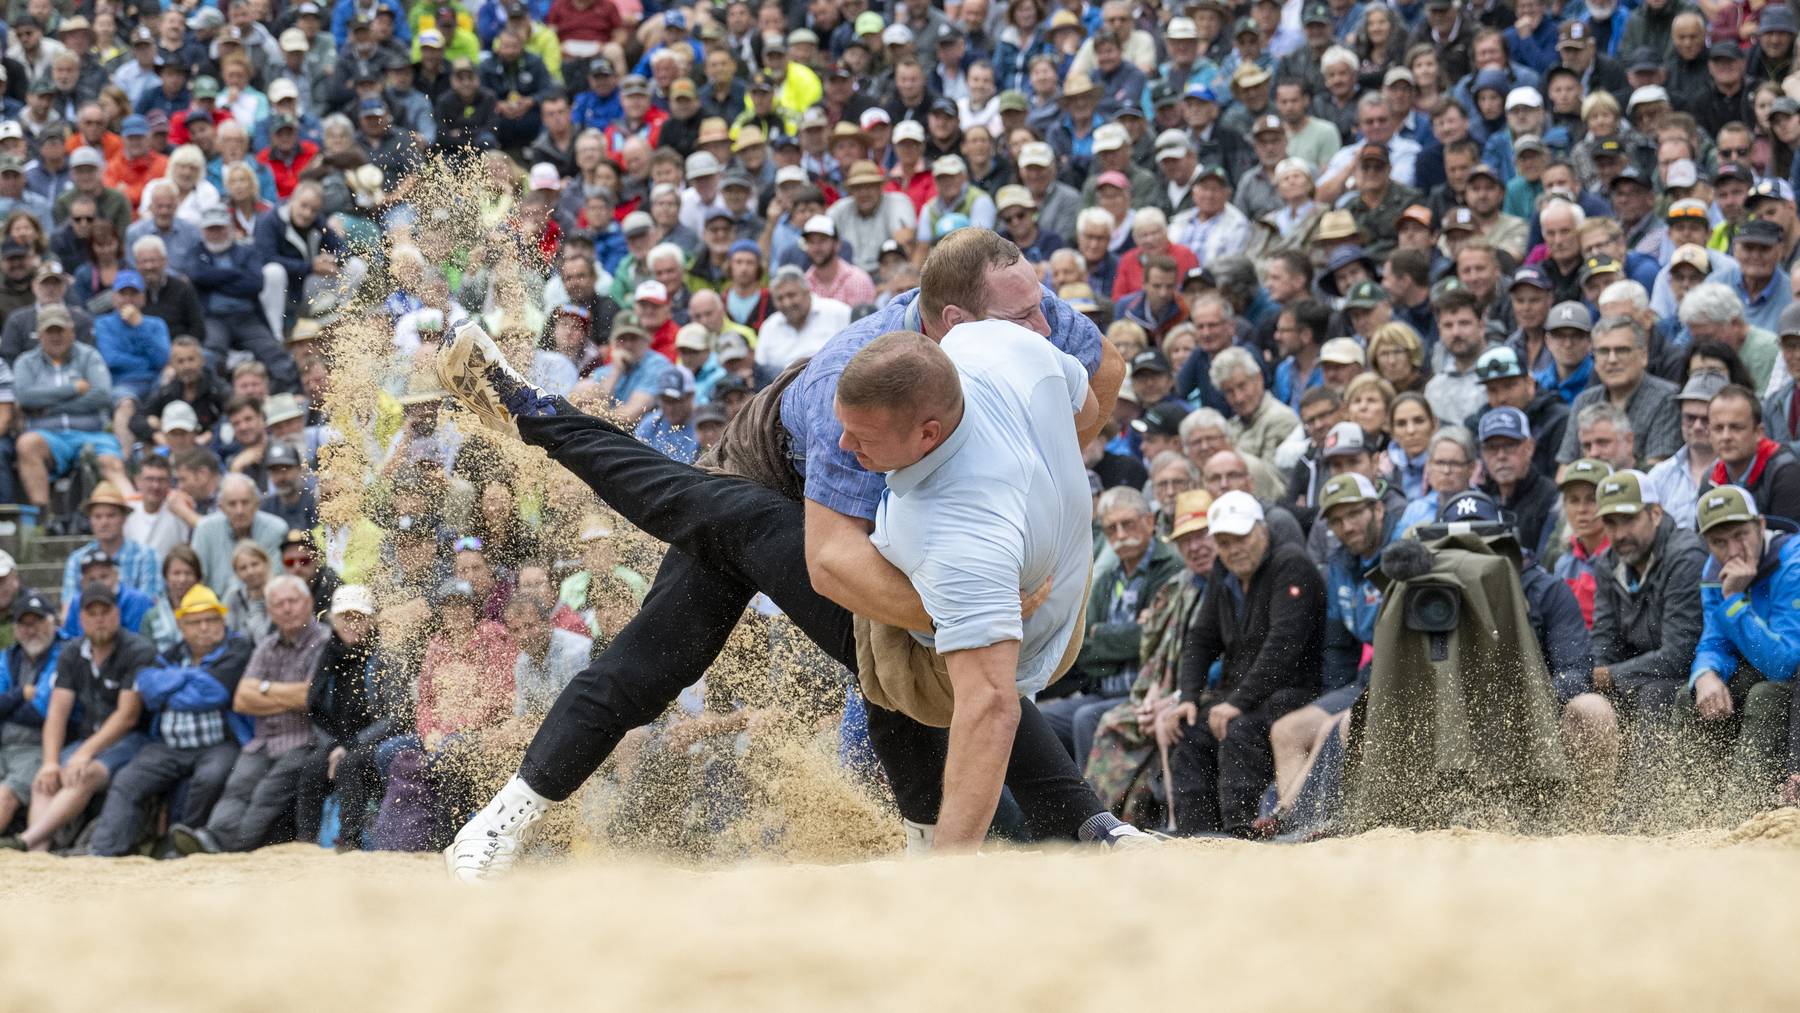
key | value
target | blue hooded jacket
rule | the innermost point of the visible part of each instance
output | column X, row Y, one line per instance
column 1761, row 627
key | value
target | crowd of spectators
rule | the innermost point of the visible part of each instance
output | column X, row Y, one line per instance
column 1363, row 259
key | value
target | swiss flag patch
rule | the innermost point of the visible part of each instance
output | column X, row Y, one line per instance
column 1293, row 590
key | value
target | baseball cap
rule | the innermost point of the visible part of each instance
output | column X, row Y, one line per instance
column 1689, row 209
column 1575, row 33
column 85, row 157
column 1597, row 265
column 1160, row 420
column 730, row 348
column 1724, row 51
column 1398, row 75
column 1112, row 177
column 819, row 225
column 1506, row 423
column 1342, row 352
column 1235, row 513
column 906, row 130
column 1181, row 29
column 950, row 165
column 1365, row 295
column 693, row 338
column 1460, row 220
column 869, row 23
column 1624, row 493
column 1530, row 142
column 896, row 35
column 1347, row 489
column 1473, row 506
column 134, row 126
column 1648, row 94
column 1770, row 189
column 636, row 222
column 281, row 455
column 53, row 316
column 1727, row 504
column 1524, row 98
column 1014, row 102
column 1344, row 439
column 353, row 598
column 95, row 591
column 216, row 216
column 1149, row 360
column 1682, row 173
column 179, row 415
column 1190, row 513
column 790, row 174
column 1760, row 232
column 1531, row 275
column 1629, row 174
column 1645, row 58
column 282, row 89
column 650, row 290
column 1702, row 386
column 1111, row 137
column 1037, row 154
column 1418, row 214
column 545, row 177
column 1498, row 363
column 1014, row 196
column 29, row 604
column 1586, row 470
column 1789, row 323
column 680, row 384
column 1569, row 315
column 128, row 279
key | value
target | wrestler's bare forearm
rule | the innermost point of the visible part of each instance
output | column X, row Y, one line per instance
column 846, row 567
column 982, row 726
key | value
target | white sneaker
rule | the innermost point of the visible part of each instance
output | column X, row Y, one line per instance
column 489, row 845
column 1126, row 837
column 475, row 371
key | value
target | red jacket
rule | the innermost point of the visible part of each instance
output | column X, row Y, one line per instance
column 287, row 174
column 920, row 187
column 663, row 341
column 1131, row 269
column 616, row 134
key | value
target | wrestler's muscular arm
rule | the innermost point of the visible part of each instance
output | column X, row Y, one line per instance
column 982, row 726
column 1103, row 391
column 846, row 567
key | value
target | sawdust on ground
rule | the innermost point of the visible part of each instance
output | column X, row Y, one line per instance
column 1386, row 921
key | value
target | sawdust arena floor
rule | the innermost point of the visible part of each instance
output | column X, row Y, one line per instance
column 1387, row 921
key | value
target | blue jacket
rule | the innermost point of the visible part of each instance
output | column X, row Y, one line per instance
column 134, row 605
column 178, row 684
column 343, row 10
column 590, row 110
column 1352, row 602
column 1570, row 386
column 1562, row 633
column 132, row 353
column 1538, row 50
column 12, row 697
column 229, row 283
column 1760, row 628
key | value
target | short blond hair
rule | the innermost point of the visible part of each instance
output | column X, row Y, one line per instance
column 1396, row 333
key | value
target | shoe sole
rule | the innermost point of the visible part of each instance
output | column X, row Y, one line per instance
column 460, row 369
column 186, row 842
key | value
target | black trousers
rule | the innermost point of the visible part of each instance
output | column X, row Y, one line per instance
column 358, row 784
column 730, row 538
column 1218, row 784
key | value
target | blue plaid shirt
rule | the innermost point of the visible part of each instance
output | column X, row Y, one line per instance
column 138, row 567
column 833, row 478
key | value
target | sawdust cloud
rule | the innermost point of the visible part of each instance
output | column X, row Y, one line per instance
column 767, row 783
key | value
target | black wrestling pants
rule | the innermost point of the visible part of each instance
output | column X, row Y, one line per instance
column 730, row 538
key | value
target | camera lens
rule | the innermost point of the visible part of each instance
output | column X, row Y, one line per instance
column 1432, row 609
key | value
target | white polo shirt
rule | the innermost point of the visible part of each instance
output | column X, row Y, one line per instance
column 1001, row 505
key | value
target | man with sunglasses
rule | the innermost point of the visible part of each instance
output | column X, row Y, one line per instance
column 300, row 557
column 1019, row 223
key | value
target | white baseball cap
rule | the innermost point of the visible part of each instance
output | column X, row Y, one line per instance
column 1527, row 98
column 651, row 291
column 909, row 130
column 7, row 565
column 353, row 598
column 1037, row 153
column 819, row 225
column 179, row 415
column 791, row 174
column 1234, row 513
column 1110, row 137
column 545, row 177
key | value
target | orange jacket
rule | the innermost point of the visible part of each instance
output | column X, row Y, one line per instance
column 131, row 176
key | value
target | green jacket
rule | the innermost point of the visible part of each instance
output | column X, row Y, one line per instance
column 1113, row 646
